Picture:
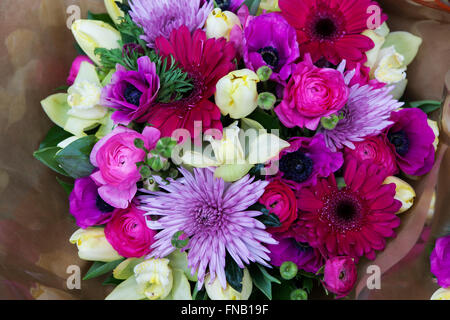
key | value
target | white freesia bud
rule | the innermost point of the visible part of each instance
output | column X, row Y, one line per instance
column 216, row 292
column 435, row 127
column 441, row 294
column 219, row 24
column 404, row 193
column 154, row 278
column 372, row 54
column 113, row 10
column 237, row 93
column 93, row 34
column 93, row 246
column 390, row 67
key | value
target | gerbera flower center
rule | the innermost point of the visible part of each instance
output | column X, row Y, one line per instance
column 296, row 166
column 103, row 206
column 223, row 4
column 325, row 24
column 344, row 210
column 400, row 141
column 132, row 95
column 270, row 56
column 325, row 28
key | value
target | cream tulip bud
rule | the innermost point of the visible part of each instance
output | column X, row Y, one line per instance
column 435, row 127
column 441, row 294
column 215, row 290
column 93, row 34
column 220, row 23
column 93, row 246
column 404, row 193
column 114, row 11
column 154, row 278
column 237, row 93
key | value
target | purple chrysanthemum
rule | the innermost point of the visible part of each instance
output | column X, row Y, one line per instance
column 161, row 17
column 366, row 114
column 212, row 213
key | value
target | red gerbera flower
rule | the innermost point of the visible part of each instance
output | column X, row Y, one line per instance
column 206, row 62
column 352, row 221
column 331, row 29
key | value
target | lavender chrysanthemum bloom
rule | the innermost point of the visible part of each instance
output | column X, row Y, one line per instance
column 212, row 213
column 270, row 41
column 366, row 114
column 161, row 17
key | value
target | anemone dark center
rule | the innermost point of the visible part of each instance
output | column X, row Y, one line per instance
column 103, row 206
column 296, row 166
column 325, row 28
column 270, row 56
column 223, row 4
column 303, row 247
column 344, row 210
column 400, row 141
column 132, row 95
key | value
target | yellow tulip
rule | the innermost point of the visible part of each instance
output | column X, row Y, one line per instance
column 404, row 193
column 93, row 34
column 93, row 246
column 114, row 11
column 220, row 23
column 236, row 93
column 215, row 290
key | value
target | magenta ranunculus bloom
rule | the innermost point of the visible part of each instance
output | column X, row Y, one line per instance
column 440, row 261
column 87, row 206
column 128, row 234
column 76, row 64
column 411, row 138
column 270, row 41
column 131, row 93
column 116, row 156
column 288, row 249
column 340, row 275
column 306, row 160
column 377, row 151
column 312, row 93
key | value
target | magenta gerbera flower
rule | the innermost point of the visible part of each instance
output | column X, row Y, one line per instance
column 331, row 29
column 212, row 213
column 352, row 221
column 206, row 61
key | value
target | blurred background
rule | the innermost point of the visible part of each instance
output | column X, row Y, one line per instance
column 36, row 51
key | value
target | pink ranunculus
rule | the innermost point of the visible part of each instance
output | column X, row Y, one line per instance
column 312, row 93
column 76, row 64
column 128, row 234
column 440, row 261
column 116, row 156
column 280, row 200
column 340, row 275
column 377, row 151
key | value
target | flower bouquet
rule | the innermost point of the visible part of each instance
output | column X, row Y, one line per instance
column 237, row 149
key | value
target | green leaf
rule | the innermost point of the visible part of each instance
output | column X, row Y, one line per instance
column 253, row 6
column 74, row 159
column 269, row 219
column 265, row 119
column 233, row 273
column 112, row 281
column 68, row 187
column 165, row 146
column 263, row 280
column 308, row 284
column 102, row 17
column 54, row 136
column 47, row 157
column 100, row 268
column 178, row 241
column 427, row 106
column 199, row 295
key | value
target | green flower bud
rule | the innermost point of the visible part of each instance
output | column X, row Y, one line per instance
column 264, row 73
column 288, row 270
column 330, row 122
column 299, row 294
column 266, row 100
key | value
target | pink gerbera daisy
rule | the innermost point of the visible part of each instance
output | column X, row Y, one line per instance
column 205, row 61
column 331, row 29
column 351, row 221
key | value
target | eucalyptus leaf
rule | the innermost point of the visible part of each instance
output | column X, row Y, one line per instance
column 54, row 136
column 74, row 159
column 253, row 6
column 233, row 273
column 427, row 106
column 100, row 268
